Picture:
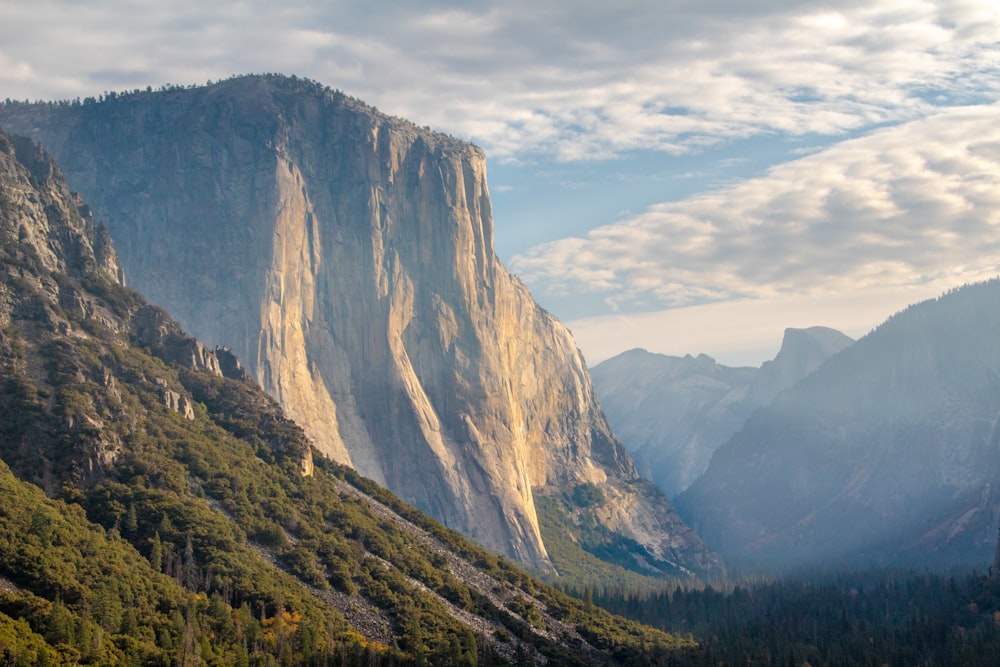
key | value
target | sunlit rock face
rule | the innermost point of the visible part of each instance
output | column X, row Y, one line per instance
column 49, row 245
column 347, row 258
column 888, row 453
column 36, row 208
column 672, row 413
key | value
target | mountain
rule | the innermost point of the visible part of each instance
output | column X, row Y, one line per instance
column 347, row 258
column 802, row 351
column 672, row 413
column 159, row 508
column 889, row 452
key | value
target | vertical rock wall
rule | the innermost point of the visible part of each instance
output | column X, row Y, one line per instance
column 347, row 257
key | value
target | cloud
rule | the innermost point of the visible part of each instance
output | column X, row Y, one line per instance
column 907, row 205
column 577, row 81
column 540, row 80
column 592, row 82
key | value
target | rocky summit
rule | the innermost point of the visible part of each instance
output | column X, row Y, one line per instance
column 347, row 258
column 672, row 413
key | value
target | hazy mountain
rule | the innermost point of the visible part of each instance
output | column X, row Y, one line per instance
column 802, row 351
column 185, row 522
column 347, row 257
column 672, row 413
column 890, row 451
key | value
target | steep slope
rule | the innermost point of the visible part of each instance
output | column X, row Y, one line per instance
column 347, row 258
column 889, row 452
column 802, row 351
column 672, row 413
column 186, row 522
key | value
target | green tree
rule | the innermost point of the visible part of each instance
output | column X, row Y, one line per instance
column 156, row 552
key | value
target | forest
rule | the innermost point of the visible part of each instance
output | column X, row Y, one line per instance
column 894, row 617
column 134, row 532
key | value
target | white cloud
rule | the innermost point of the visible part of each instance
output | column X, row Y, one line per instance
column 578, row 81
column 745, row 332
column 907, row 205
column 533, row 81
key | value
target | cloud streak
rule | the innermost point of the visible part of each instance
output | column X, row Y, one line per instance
column 581, row 81
column 908, row 205
column 909, row 88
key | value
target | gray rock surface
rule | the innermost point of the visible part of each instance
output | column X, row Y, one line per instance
column 347, row 258
column 672, row 413
column 37, row 208
column 802, row 351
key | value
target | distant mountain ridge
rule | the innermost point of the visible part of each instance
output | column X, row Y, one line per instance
column 890, row 452
column 672, row 413
column 347, row 258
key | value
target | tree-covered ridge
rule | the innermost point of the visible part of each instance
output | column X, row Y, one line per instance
column 886, row 454
column 291, row 84
column 176, row 525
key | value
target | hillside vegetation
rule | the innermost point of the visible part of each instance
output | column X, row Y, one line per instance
column 158, row 508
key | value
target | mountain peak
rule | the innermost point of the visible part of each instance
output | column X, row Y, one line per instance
column 825, row 337
column 802, row 351
column 672, row 413
column 347, row 257
column 887, row 451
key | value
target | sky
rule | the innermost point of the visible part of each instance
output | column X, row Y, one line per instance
column 687, row 176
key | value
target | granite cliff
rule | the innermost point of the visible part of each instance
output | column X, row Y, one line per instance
column 38, row 210
column 155, row 510
column 672, row 413
column 347, row 258
column 802, row 352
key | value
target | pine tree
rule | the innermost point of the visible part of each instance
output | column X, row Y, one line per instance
column 190, row 577
column 995, row 570
column 131, row 520
column 156, row 552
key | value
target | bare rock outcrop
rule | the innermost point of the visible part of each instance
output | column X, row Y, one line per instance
column 177, row 402
column 347, row 258
column 38, row 209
